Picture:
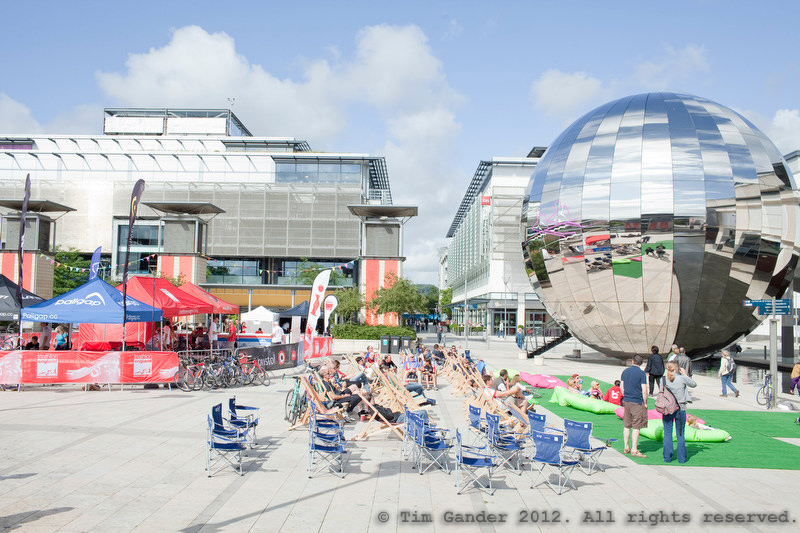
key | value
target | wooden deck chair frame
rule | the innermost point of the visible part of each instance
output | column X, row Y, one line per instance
column 315, row 397
column 376, row 417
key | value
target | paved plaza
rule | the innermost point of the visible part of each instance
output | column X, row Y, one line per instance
column 134, row 459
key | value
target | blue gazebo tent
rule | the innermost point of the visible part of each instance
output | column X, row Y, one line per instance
column 95, row 302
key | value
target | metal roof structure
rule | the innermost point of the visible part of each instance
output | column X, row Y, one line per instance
column 36, row 206
column 478, row 182
column 185, row 208
column 379, row 211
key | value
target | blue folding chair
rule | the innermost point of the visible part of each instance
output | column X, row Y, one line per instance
column 477, row 424
column 578, row 445
column 506, row 444
column 326, row 445
column 429, row 443
column 548, row 454
column 249, row 421
column 223, row 444
column 470, row 460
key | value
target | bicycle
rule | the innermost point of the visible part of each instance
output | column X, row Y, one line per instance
column 296, row 402
column 765, row 394
column 253, row 373
column 12, row 342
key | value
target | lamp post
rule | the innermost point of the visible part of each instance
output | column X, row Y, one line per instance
column 466, row 321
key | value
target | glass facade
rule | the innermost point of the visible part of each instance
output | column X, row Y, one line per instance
column 144, row 242
column 300, row 171
column 650, row 220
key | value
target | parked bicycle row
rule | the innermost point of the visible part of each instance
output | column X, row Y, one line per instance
column 219, row 369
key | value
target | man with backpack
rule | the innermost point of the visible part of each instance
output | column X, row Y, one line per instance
column 726, row 374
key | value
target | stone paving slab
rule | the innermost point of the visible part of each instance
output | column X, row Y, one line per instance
column 134, row 460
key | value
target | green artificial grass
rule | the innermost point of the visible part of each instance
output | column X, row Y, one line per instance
column 752, row 445
column 629, row 270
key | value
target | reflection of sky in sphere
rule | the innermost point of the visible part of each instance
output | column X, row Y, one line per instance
column 664, row 168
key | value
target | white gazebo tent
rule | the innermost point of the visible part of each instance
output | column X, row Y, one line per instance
column 260, row 317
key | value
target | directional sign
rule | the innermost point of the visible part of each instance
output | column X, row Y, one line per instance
column 782, row 306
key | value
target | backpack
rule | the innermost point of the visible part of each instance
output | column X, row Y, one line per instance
column 731, row 364
column 666, row 404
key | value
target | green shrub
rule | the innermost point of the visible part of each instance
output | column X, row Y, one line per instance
column 358, row 331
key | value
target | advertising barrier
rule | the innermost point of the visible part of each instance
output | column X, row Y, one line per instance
column 320, row 347
column 31, row 367
column 277, row 357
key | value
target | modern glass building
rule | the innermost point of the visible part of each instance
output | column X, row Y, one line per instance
column 242, row 215
column 483, row 259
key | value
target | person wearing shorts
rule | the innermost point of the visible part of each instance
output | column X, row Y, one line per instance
column 634, row 402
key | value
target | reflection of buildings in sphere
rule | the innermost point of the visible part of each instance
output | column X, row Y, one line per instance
column 679, row 209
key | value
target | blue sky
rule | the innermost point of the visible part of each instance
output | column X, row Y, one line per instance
column 433, row 86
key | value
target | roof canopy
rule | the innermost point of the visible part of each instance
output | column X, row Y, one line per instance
column 219, row 306
column 300, row 309
column 9, row 304
column 94, row 302
column 162, row 294
column 259, row 314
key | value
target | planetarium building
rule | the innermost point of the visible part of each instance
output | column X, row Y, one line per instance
column 651, row 218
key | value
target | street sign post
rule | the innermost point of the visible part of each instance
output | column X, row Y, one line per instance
column 772, row 307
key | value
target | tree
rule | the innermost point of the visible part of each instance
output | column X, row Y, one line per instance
column 398, row 295
column 350, row 303
column 308, row 270
column 430, row 297
column 65, row 279
column 446, row 297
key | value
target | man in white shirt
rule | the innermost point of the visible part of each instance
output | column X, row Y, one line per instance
column 44, row 343
column 213, row 333
column 277, row 334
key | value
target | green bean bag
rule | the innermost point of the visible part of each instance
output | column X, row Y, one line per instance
column 564, row 397
column 655, row 431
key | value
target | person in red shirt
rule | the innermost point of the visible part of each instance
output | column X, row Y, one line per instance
column 614, row 394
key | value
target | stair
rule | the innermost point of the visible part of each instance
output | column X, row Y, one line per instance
column 550, row 344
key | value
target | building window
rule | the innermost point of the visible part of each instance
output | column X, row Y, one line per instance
column 144, row 243
column 234, row 271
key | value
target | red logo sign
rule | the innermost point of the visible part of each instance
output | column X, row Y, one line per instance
column 486, row 200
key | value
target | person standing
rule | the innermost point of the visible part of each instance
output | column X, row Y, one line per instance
column 213, row 333
column 676, row 382
column 795, row 377
column 501, row 330
column 634, row 402
column 726, row 374
column 520, row 337
column 654, row 369
column 47, row 333
column 684, row 361
column 232, row 334
column 277, row 334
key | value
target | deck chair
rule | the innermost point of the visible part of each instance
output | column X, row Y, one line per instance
column 507, row 445
column 477, row 424
column 314, row 397
column 471, row 459
column 375, row 417
column 325, row 447
column 249, row 421
column 428, row 444
column 549, row 447
column 223, row 445
column 577, row 445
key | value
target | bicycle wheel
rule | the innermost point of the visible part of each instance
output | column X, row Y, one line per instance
column 266, row 379
column 290, row 411
column 762, row 396
column 258, row 376
column 181, row 379
column 249, row 374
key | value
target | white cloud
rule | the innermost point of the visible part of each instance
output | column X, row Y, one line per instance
column 567, row 95
column 676, row 66
column 564, row 94
column 784, row 130
column 16, row 117
column 393, row 75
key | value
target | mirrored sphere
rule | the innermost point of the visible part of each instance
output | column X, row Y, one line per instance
column 653, row 217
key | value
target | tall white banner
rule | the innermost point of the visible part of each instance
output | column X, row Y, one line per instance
column 331, row 302
column 315, row 308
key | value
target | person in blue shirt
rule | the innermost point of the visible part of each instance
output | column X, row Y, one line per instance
column 634, row 401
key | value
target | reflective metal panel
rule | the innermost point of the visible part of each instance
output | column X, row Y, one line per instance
column 652, row 217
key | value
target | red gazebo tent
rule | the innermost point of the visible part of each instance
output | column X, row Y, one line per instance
column 220, row 307
column 160, row 293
